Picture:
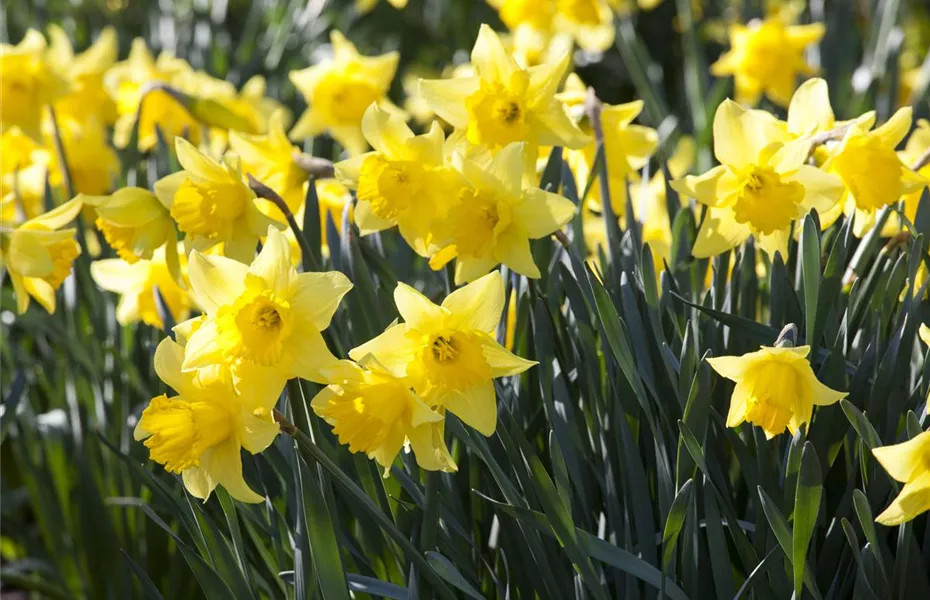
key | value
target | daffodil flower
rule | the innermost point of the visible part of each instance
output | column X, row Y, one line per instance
column 761, row 187
column 374, row 412
column 873, row 174
column 263, row 315
column 270, row 159
column 93, row 165
column 775, row 388
column 24, row 166
column 767, row 57
column 212, row 204
column 39, row 255
column 588, row 22
column 136, row 282
column 495, row 218
column 404, row 182
column 126, row 82
column 200, row 432
column 28, row 83
column 340, row 90
column 909, row 463
column 504, row 103
column 917, row 145
column 133, row 222
column 448, row 351
column 88, row 97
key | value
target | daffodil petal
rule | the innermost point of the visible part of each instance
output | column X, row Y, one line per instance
column 475, row 406
column 273, row 263
column 913, row 500
column 904, row 461
column 479, row 304
column 322, row 292
column 543, row 213
column 216, row 280
column 810, row 108
column 490, row 58
column 719, row 232
column 416, row 309
column 310, row 354
column 225, row 467
column 502, row 361
column 446, row 97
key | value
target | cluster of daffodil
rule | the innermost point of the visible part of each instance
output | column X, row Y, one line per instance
column 465, row 190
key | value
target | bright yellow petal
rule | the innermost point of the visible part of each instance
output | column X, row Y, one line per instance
column 732, row 367
column 318, row 295
column 719, row 232
column 545, row 79
column 115, row 275
column 503, row 362
column 166, row 187
column 905, row 461
column 225, row 467
column 895, row 129
column 810, row 108
column 28, row 256
column 822, row 190
column 197, row 163
column 60, row 216
column 542, row 213
column 553, row 127
column 169, row 356
column 273, row 263
column 702, row 188
column 741, row 134
column 479, row 304
column 446, row 97
column 777, row 241
column 310, row 354
column 476, row 407
column 202, row 349
column 429, row 447
column 215, row 280
column 823, row 395
column 736, row 414
column 198, row 482
column 43, row 293
column 913, row 500
column 514, row 251
column 490, row 58
column 416, row 309
column 393, row 349
column 386, row 132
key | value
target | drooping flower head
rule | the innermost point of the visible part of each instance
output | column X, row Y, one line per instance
column 264, row 315
column 775, row 388
column 448, row 351
column 767, row 57
column 503, row 103
column 761, row 187
column 24, row 166
column 374, row 412
column 200, row 432
column 28, row 83
column 212, row 204
column 495, row 217
column 909, row 463
column 84, row 71
column 871, row 170
column 39, row 254
column 133, row 222
column 340, row 90
column 403, row 182
column 136, row 283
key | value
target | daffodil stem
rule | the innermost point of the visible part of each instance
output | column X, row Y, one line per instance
column 832, row 135
column 263, row 191
column 60, row 152
column 314, row 165
column 315, row 453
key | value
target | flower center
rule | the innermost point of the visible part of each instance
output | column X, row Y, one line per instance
column 181, row 431
column 871, row 172
column 476, row 220
column 255, row 326
column 390, row 186
column 342, row 98
column 498, row 113
column 766, row 202
column 455, row 360
column 119, row 238
column 208, row 209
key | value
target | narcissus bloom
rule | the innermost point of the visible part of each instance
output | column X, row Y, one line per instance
column 448, row 352
column 39, row 255
column 87, row 97
column 133, row 222
column 404, row 182
column 264, row 315
column 93, row 165
column 126, row 82
column 495, row 218
column 504, row 103
column 270, row 159
column 775, row 388
column 909, row 463
column 136, row 282
column 767, row 57
column 24, row 165
column 872, row 172
column 589, row 22
column 212, row 204
column 761, row 187
column 917, row 145
column 374, row 412
column 28, row 83
column 201, row 431
column 340, row 90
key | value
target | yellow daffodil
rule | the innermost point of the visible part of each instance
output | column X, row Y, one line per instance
column 917, row 146
column 531, row 47
column 201, row 431
column 24, row 165
column 909, row 463
column 127, row 82
column 374, row 412
column 264, row 315
column 28, row 83
column 212, row 204
column 495, row 217
column 133, row 222
column 873, row 174
column 366, row 6
column 761, row 187
column 93, row 164
column 136, row 283
column 589, row 22
column 767, row 57
column 340, row 90
column 39, row 255
column 84, row 71
column 775, row 388
column 270, row 159
column 448, row 352
column 404, row 182
column 333, row 197
column 504, row 103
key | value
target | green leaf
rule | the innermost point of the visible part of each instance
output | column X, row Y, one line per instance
column 810, row 275
column 785, row 538
column 806, row 509
column 673, row 523
column 447, row 571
